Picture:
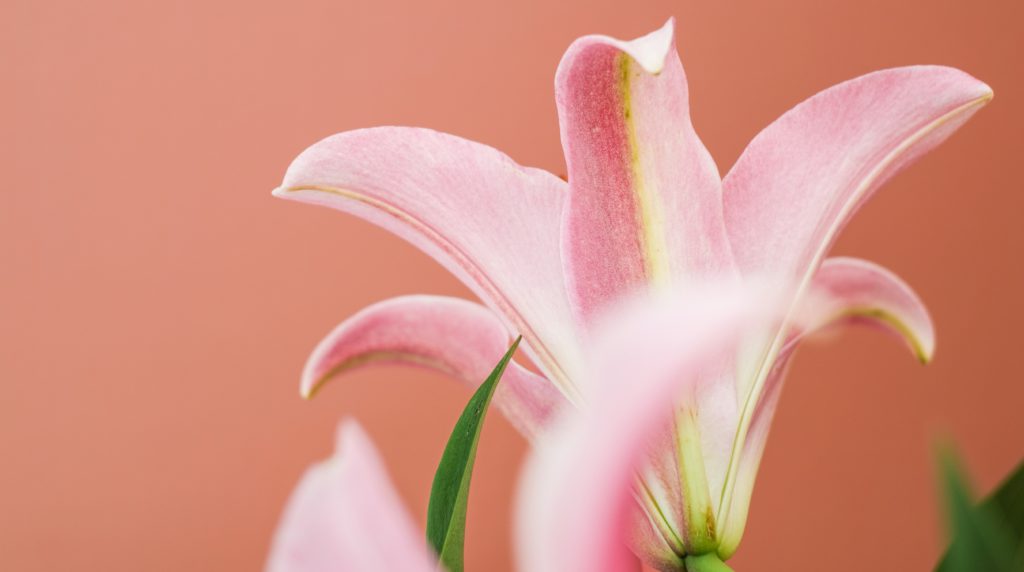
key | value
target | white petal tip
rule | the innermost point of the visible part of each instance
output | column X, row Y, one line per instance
column 980, row 93
column 986, row 93
column 651, row 50
column 349, row 431
column 976, row 91
column 314, row 375
column 310, row 386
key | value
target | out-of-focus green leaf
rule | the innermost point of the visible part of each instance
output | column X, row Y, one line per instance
column 986, row 536
column 1008, row 501
column 449, row 495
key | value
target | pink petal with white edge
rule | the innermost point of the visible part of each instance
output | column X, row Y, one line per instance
column 845, row 290
column 450, row 335
column 645, row 196
column 802, row 178
column 577, row 497
column 345, row 516
column 491, row 222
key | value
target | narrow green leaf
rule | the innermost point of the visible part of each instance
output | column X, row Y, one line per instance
column 446, row 512
column 983, row 535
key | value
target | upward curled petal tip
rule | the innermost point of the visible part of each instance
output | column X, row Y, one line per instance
column 650, row 51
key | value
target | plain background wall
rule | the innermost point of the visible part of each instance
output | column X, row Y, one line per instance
column 156, row 304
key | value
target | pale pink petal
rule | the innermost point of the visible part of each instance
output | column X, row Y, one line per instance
column 491, row 222
column 645, row 196
column 733, row 520
column 845, row 290
column 851, row 289
column 579, row 489
column 800, row 180
column 456, row 337
column 345, row 516
column 645, row 535
column 715, row 417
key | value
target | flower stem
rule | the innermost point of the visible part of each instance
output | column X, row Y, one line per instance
column 705, row 563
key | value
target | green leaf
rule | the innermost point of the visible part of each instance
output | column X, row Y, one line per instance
column 446, row 512
column 1008, row 501
column 986, row 536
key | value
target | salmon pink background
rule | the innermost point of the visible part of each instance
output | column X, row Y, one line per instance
column 156, row 304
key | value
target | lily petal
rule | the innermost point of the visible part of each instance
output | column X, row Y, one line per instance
column 845, row 290
column 345, row 516
column 802, row 178
column 578, row 491
column 849, row 289
column 645, row 195
column 491, row 222
column 450, row 335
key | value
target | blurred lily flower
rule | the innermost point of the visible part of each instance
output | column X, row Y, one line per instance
column 644, row 211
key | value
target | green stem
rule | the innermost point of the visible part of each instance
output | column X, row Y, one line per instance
column 705, row 563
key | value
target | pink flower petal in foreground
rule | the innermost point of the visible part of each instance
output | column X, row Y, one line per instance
column 449, row 335
column 345, row 516
column 576, row 502
column 645, row 211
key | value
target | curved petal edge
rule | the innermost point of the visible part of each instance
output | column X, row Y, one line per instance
column 453, row 336
column 802, row 178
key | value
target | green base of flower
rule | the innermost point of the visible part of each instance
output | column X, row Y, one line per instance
column 705, row 563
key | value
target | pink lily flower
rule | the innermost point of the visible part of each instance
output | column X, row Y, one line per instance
column 644, row 210
column 576, row 501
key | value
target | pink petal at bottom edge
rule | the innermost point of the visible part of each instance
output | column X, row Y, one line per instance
column 345, row 516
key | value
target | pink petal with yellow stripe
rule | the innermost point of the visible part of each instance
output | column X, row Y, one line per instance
column 453, row 336
column 644, row 203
